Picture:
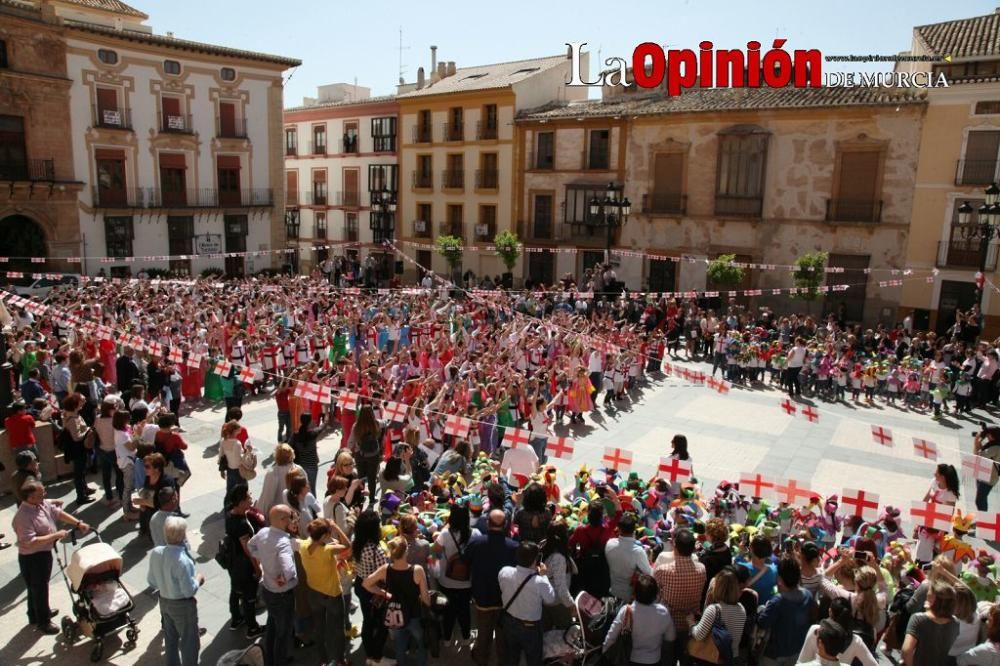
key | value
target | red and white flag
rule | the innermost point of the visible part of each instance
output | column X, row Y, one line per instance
column 673, row 469
column 881, row 435
column 559, row 447
column 325, row 394
column 925, row 449
column 988, row 526
column 860, row 503
column 223, row 368
column 175, row 355
column 932, row 515
column 395, row 411
column 617, row 459
column 755, row 485
column 347, row 401
column 246, row 375
column 516, row 437
column 981, row 469
column 194, row 360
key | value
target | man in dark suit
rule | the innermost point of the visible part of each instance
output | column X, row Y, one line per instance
column 127, row 370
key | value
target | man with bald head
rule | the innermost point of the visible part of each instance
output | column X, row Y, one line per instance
column 486, row 555
column 274, row 548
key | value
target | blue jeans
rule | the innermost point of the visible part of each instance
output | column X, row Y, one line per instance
column 983, row 490
column 538, row 444
column 109, row 465
column 520, row 638
column 233, row 478
column 180, row 631
column 280, row 626
column 284, row 426
column 311, row 472
column 331, row 627
column 401, row 638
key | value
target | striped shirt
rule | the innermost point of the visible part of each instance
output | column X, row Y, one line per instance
column 734, row 616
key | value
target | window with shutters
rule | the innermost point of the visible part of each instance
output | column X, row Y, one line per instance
column 350, row 137
column 319, row 140
column 598, row 149
column 321, row 228
column 13, row 154
column 236, row 227
column 384, row 134
column 488, row 177
column 230, row 126
column 352, row 187
column 545, row 155
column 172, row 118
column 111, row 184
column 541, row 222
column 454, row 226
column 455, row 129
column 858, row 187
column 489, row 124
column 108, row 111
column 291, row 142
column 739, row 189
column 118, row 236
column 173, row 187
column 350, row 227
column 979, row 167
column 319, row 187
column 383, row 178
column 847, row 306
column 486, row 228
column 423, row 177
column 423, row 132
column 668, row 184
column 454, row 175
column 292, row 188
column 229, row 180
column 422, row 225
column 180, row 241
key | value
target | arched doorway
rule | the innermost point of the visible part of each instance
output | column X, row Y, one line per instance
column 20, row 239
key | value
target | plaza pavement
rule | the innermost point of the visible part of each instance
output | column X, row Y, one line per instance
column 744, row 431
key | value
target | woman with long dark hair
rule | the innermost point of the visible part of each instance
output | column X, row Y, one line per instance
column 366, row 445
column 304, row 445
column 369, row 555
column 944, row 490
column 533, row 517
column 560, row 570
column 453, row 577
column 244, row 570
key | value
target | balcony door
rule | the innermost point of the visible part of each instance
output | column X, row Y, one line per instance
column 111, row 187
column 173, row 186
column 980, row 164
column 229, row 180
column 236, row 241
column 13, row 155
column 542, row 218
column 227, row 119
column 954, row 296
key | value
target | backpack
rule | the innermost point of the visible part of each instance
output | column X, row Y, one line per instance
column 224, row 555
column 248, row 464
column 594, row 575
column 370, row 445
column 457, row 568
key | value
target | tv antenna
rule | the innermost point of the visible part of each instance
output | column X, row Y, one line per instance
column 402, row 70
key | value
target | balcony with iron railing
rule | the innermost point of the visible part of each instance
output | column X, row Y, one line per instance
column 664, row 203
column 350, row 232
column 453, row 179
column 966, row 254
column 542, row 230
column 176, row 124
column 421, row 229
column 423, row 180
column 422, row 134
column 291, row 151
column 487, row 179
column 485, row 232
column 976, row 172
column 584, row 234
column 384, row 143
column 544, row 161
column 349, row 199
column 320, row 231
column 235, row 128
column 151, row 197
column 120, row 118
column 452, row 228
column 316, row 198
column 452, row 132
column 28, row 170
column 736, row 205
column 317, row 148
column 349, row 144
column 853, row 210
column 486, row 131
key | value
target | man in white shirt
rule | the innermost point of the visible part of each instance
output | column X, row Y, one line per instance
column 625, row 556
column 520, row 461
column 595, row 366
column 273, row 547
column 793, row 366
column 524, row 590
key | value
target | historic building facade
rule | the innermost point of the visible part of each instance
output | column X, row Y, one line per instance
column 38, row 186
column 179, row 143
column 342, row 174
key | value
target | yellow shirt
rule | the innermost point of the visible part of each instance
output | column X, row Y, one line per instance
column 321, row 568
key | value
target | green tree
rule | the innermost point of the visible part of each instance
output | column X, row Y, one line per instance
column 809, row 275
column 450, row 247
column 508, row 248
column 723, row 271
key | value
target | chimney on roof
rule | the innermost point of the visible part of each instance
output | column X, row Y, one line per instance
column 451, row 68
column 434, row 59
column 420, row 78
column 442, row 70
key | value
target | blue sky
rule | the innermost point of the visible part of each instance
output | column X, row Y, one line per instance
column 338, row 42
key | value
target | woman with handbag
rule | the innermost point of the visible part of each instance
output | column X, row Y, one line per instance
column 454, row 578
column 405, row 590
column 321, row 554
column 640, row 629
column 722, row 606
column 78, row 442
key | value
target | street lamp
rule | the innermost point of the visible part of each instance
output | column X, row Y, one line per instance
column 610, row 213
column 383, row 224
column 988, row 215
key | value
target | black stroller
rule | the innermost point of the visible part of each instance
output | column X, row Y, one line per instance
column 101, row 604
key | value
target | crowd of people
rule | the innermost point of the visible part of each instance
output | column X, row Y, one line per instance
column 440, row 533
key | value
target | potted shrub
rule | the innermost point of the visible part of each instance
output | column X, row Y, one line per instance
column 809, row 275
column 450, row 247
column 508, row 248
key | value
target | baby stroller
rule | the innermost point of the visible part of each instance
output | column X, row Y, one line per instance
column 581, row 643
column 101, row 604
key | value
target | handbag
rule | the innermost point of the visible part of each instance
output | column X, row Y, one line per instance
column 457, row 568
column 619, row 653
column 716, row 647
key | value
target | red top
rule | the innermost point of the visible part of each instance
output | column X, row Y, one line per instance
column 588, row 536
column 281, row 397
column 170, row 442
column 20, row 430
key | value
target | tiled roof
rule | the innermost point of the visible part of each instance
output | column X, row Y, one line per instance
column 726, row 99
column 964, row 38
column 352, row 102
column 486, row 77
column 182, row 44
column 115, row 6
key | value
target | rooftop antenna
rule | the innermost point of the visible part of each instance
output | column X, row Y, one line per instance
column 402, row 70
